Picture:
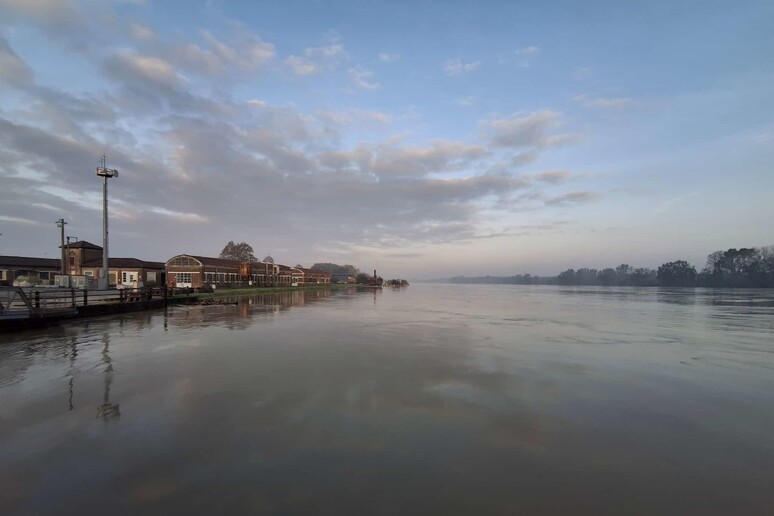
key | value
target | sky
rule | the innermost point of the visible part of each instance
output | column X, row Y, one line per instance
column 426, row 138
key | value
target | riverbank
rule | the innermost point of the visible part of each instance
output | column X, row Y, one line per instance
column 95, row 310
column 271, row 290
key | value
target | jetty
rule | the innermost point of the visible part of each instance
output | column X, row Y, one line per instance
column 35, row 306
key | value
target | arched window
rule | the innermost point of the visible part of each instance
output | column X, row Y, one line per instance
column 184, row 261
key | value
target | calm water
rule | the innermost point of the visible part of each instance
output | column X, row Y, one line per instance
column 436, row 399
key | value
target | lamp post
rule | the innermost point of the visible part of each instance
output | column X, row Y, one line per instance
column 105, row 173
column 61, row 225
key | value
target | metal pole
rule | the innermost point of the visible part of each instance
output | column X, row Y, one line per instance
column 104, row 279
column 61, row 223
column 105, row 173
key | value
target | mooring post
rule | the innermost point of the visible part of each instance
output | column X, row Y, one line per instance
column 85, row 297
column 72, row 296
column 37, row 299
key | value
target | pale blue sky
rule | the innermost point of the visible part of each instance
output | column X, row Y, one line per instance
column 425, row 138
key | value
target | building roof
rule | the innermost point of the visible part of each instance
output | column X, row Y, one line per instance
column 206, row 261
column 29, row 262
column 268, row 259
column 83, row 244
column 220, row 262
column 287, row 268
column 125, row 263
column 318, row 272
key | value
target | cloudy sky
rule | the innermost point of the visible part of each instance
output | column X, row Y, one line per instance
column 424, row 138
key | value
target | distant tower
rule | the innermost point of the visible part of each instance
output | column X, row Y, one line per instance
column 268, row 259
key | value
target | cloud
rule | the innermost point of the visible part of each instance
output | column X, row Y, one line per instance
column 240, row 52
column 523, row 158
column 388, row 58
column 316, row 59
column 363, row 78
column 572, row 198
column 194, row 150
column 13, row 70
column 19, row 220
column 528, row 51
column 528, row 131
column 603, row 102
column 44, row 11
column 440, row 156
column 525, row 55
column 555, row 176
column 248, row 51
column 181, row 216
column 458, row 67
column 348, row 117
column 466, row 101
column 131, row 65
column 141, row 32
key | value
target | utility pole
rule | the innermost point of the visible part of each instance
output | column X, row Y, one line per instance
column 105, row 173
column 61, row 224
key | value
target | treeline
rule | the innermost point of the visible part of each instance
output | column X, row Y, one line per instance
column 745, row 268
column 333, row 268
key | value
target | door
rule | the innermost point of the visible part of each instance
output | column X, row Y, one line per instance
column 129, row 279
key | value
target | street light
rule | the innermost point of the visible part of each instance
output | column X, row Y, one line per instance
column 105, row 173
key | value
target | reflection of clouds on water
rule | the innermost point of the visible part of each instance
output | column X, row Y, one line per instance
column 442, row 402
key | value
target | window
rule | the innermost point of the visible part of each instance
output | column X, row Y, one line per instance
column 43, row 275
column 184, row 261
column 150, row 276
column 123, row 277
column 89, row 273
column 184, row 277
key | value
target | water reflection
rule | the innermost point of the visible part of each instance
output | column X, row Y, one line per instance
column 434, row 400
column 240, row 312
column 108, row 410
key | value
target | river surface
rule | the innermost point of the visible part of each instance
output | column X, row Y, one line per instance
column 435, row 399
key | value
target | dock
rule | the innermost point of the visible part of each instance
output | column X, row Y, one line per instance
column 34, row 306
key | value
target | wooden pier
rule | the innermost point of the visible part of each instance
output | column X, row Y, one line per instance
column 24, row 307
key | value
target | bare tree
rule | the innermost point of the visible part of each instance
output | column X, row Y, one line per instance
column 241, row 251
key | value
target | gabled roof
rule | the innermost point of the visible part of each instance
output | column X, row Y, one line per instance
column 83, row 244
column 29, row 262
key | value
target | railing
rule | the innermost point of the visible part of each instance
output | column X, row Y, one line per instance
column 18, row 302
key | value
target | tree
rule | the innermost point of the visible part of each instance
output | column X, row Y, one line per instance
column 607, row 277
column 362, row 278
column 677, row 274
column 242, row 252
column 643, row 277
column 333, row 268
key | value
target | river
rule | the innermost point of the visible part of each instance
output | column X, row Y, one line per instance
column 434, row 399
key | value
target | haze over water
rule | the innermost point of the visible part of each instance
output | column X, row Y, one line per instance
column 436, row 399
